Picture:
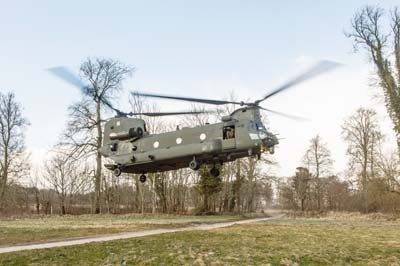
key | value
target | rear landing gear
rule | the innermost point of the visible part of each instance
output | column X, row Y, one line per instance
column 214, row 172
column 142, row 178
column 194, row 165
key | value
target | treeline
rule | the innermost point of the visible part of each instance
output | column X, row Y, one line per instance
column 175, row 192
column 372, row 181
column 303, row 192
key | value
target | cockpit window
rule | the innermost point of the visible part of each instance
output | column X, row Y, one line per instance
column 260, row 127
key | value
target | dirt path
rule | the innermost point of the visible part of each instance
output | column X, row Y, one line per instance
column 130, row 235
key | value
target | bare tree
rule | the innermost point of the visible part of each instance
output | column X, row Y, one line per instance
column 236, row 200
column 286, row 195
column 207, row 187
column 337, row 194
column 65, row 176
column 389, row 165
column 301, row 185
column 84, row 130
column 367, row 33
column 34, row 181
column 362, row 134
column 179, row 190
column 251, row 172
column 13, row 161
column 318, row 160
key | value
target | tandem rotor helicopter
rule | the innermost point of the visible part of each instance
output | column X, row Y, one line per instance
column 240, row 134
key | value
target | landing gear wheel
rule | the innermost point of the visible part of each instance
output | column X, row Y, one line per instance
column 117, row 172
column 139, row 132
column 214, row 172
column 142, row 178
column 194, row 165
column 272, row 150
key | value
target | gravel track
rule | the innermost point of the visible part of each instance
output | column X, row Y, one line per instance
column 130, row 235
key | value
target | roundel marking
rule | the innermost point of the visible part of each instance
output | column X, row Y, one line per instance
column 156, row 144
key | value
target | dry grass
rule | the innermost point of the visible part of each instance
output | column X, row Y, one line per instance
column 279, row 242
column 345, row 216
column 53, row 228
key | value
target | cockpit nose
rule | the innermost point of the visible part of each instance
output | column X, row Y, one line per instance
column 270, row 140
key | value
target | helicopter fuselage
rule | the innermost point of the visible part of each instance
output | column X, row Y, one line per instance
column 239, row 135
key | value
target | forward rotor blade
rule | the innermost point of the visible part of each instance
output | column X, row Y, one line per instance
column 188, row 99
column 69, row 77
column 169, row 113
column 320, row 68
column 294, row 117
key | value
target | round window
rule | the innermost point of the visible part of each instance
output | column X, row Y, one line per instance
column 178, row 140
column 156, row 144
column 203, row 136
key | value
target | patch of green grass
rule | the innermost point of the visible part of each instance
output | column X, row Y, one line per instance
column 53, row 228
column 281, row 242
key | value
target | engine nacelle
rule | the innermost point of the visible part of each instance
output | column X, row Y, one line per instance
column 134, row 132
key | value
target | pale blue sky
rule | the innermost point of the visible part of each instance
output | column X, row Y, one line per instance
column 195, row 48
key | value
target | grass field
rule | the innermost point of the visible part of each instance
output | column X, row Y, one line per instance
column 53, row 228
column 285, row 241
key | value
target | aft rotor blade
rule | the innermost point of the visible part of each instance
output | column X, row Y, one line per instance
column 169, row 113
column 67, row 75
column 320, row 68
column 188, row 99
column 294, row 117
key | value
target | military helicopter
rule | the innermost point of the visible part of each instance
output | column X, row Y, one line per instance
column 240, row 134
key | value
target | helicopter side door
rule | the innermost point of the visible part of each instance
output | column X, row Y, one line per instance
column 229, row 136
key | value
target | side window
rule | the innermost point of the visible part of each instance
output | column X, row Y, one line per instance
column 228, row 132
column 114, row 146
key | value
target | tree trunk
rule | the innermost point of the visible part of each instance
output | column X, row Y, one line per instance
column 238, row 187
column 153, row 193
column 137, row 194
column 319, row 193
column 2, row 193
column 398, row 140
column 97, row 178
column 142, row 200
column 37, row 199
column 364, row 182
column 3, row 180
column 205, row 203
column 63, row 212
